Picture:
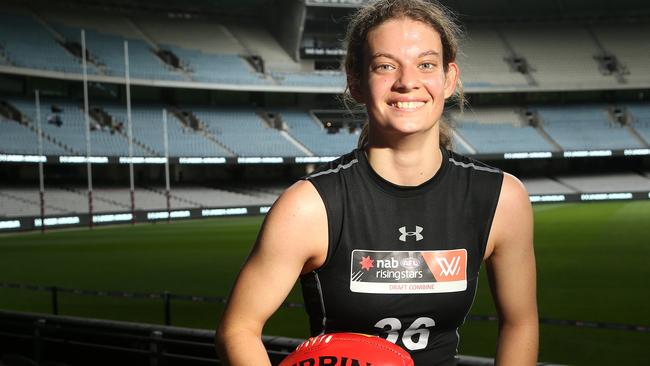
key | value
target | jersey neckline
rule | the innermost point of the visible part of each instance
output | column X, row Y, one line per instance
column 398, row 190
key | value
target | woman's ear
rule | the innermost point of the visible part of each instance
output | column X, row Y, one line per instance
column 451, row 79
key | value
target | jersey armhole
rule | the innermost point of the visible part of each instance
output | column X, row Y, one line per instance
column 333, row 234
column 492, row 212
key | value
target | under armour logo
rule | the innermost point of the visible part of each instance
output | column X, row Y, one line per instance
column 416, row 233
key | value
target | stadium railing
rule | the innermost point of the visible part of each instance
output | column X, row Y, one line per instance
column 66, row 339
column 104, row 342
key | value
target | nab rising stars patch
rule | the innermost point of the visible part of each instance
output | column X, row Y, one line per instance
column 408, row 272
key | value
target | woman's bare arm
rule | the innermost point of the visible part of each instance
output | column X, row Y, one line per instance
column 292, row 240
column 512, row 275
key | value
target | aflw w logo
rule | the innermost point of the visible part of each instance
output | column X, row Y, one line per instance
column 449, row 268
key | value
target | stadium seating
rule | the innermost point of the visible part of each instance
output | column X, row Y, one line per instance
column 498, row 130
column 59, row 200
column 236, row 128
column 556, row 51
column 585, row 127
column 217, row 61
column 218, row 68
column 482, row 60
column 311, row 133
column 109, row 51
column 641, row 119
column 613, row 182
column 16, row 202
column 25, row 201
column 26, row 44
column 213, row 197
column 623, row 41
column 225, row 132
column 19, row 139
column 72, row 132
column 148, row 129
column 545, row 185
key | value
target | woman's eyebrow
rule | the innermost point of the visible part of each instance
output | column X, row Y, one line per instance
column 388, row 55
column 429, row 53
column 383, row 54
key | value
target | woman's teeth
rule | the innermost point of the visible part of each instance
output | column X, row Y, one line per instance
column 407, row 105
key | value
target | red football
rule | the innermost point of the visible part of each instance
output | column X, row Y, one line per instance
column 347, row 349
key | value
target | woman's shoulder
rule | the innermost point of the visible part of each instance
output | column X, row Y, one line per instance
column 301, row 195
column 514, row 195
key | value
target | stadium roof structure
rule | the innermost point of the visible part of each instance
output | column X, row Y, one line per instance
column 180, row 8
column 467, row 9
column 499, row 9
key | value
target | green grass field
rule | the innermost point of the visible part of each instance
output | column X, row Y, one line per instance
column 592, row 265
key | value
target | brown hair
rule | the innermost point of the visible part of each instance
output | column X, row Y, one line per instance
column 376, row 13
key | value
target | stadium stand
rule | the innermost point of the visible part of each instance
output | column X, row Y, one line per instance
column 498, row 130
column 108, row 141
column 546, row 185
column 640, row 115
column 305, row 128
column 585, row 127
column 236, row 128
column 183, row 140
column 624, row 42
column 225, row 38
column 18, row 138
column 482, row 60
column 109, row 53
column 16, row 202
column 215, row 61
column 510, row 56
column 27, row 44
column 556, row 51
column 105, row 37
column 213, row 197
column 24, row 201
column 227, row 132
column 619, row 182
column 218, row 68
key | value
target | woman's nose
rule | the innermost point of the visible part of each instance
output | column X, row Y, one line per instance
column 408, row 79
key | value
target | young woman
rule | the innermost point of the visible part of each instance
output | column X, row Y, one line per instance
column 389, row 238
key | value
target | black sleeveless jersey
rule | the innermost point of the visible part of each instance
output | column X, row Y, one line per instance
column 402, row 262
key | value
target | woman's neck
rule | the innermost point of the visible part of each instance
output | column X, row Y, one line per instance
column 411, row 162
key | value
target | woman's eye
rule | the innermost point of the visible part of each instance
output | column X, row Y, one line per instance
column 384, row 67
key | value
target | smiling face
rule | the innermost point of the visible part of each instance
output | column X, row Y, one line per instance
column 404, row 83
